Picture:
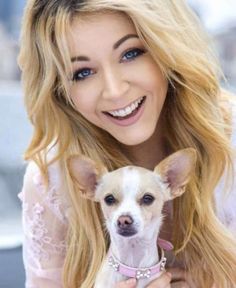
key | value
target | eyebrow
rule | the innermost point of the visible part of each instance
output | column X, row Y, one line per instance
column 115, row 46
column 123, row 39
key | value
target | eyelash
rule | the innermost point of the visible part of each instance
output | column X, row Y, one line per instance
column 76, row 75
column 136, row 52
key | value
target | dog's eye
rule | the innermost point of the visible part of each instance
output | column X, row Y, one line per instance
column 110, row 200
column 147, row 199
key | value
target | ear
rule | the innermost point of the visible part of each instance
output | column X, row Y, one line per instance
column 86, row 173
column 177, row 169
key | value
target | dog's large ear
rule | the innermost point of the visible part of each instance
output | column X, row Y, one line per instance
column 86, row 173
column 176, row 170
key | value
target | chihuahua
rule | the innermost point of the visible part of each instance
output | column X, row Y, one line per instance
column 132, row 200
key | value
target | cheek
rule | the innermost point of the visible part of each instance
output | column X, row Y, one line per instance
column 157, row 84
column 108, row 212
column 84, row 98
column 151, row 76
column 148, row 215
column 152, row 212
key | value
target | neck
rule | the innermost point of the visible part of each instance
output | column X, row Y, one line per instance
column 140, row 154
column 136, row 252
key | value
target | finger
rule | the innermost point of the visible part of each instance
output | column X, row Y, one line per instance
column 177, row 274
column 161, row 282
column 179, row 284
column 130, row 283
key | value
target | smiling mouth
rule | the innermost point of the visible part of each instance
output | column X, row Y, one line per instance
column 128, row 111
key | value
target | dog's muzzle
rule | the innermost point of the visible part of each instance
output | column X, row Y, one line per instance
column 125, row 226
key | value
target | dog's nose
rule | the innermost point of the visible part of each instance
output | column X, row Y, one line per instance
column 124, row 221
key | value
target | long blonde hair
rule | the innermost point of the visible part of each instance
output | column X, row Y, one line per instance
column 193, row 114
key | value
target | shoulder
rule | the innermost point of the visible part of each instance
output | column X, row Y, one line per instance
column 52, row 194
column 45, row 224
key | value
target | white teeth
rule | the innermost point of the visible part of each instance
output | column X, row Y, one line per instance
column 127, row 110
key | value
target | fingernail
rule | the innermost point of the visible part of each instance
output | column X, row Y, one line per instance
column 131, row 281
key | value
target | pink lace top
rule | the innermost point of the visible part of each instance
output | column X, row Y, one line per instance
column 44, row 226
column 45, row 222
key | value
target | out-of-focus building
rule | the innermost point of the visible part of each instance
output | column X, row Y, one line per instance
column 225, row 42
column 219, row 18
column 11, row 14
column 10, row 19
column 9, row 49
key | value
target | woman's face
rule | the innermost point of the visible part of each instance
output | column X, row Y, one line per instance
column 116, row 85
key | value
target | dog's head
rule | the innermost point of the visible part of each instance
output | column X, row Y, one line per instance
column 132, row 197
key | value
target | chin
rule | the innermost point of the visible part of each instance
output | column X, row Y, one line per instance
column 133, row 139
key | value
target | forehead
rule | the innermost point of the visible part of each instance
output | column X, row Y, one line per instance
column 131, row 181
column 100, row 28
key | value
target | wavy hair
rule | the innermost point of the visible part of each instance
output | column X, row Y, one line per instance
column 193, row 114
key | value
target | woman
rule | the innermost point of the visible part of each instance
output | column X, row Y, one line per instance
column 123, row 82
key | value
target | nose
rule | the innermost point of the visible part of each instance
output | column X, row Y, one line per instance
column 115, row 84
column 124, row 221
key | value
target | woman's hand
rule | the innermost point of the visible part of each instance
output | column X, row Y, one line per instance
column 130, row 283
column 173, row 278
column 179, row 278
column 161, row 282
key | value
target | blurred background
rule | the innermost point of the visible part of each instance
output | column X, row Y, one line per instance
column 15, row 132
column 219, row 18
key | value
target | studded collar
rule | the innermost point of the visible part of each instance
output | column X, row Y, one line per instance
column 141, row 273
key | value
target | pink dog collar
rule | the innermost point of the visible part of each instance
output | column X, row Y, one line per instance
column 139, row 273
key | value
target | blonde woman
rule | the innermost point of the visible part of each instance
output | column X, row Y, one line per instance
column 124, row 81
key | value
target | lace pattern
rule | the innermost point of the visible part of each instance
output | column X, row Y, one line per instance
column 42, row 246
column 45, row 227
column 51, row 196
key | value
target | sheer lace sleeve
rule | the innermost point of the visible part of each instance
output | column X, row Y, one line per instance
column 45, row 227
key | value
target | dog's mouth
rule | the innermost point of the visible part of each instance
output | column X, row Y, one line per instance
column 127, row 232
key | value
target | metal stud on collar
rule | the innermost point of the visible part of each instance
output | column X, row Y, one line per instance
column 143, row 273
column 163, row 263
column 113, row 263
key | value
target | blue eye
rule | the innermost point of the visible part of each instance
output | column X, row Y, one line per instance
column 82, row 74
column 132, row 54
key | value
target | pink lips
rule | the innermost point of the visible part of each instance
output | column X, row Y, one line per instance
column 134, row 117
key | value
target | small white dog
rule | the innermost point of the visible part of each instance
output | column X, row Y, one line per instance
column 132, row 199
